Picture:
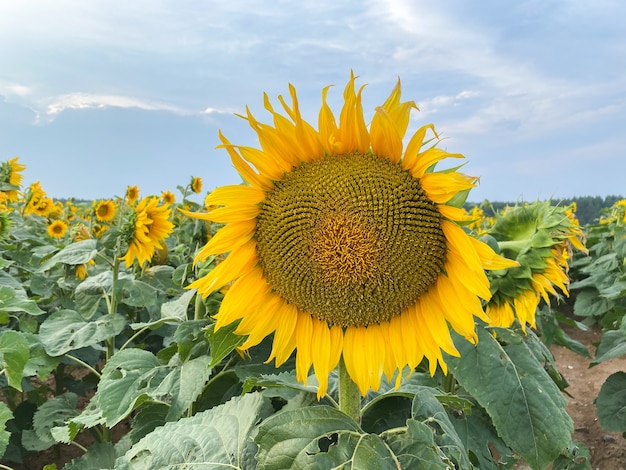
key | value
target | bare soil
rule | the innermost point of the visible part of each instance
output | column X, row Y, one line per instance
column 607, row 449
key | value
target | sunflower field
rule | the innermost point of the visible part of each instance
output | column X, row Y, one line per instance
column 338, row 309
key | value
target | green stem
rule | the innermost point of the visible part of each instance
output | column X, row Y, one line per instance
column 110, row 344
column 349, row 395
column 84, row 364
column 448, row 382
column 199, row 311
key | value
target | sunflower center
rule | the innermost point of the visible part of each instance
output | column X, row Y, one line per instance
column 350, row 239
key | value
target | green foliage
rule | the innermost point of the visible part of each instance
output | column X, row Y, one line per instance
column 131, row 346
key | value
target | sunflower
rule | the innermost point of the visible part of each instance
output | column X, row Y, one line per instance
column 196, row 184
column 344, row 245
column 57, row 229
column 168, row 197
column 146, row 230
column 11, row 177
column 132, row 194
column 105, row 211
column 541, row 238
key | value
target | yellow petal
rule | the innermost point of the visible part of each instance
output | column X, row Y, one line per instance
column 247, row 173
column 385, row 140
column 441, row 187
column 285, row 320
column 489, row 258
column 237, row 263
column 411, row 154
column 304, row 354
column 457, row 214
column 244, row 295
column 354, row 357
column 228, row 238
column 353, row 135
column 260, row 323
column 327, row 126
column 234, row 195
column 320, row 343
column 226, row 215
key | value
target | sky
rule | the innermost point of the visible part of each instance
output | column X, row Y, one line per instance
column 102, row 94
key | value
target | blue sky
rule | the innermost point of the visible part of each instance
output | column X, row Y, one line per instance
column 101, row 94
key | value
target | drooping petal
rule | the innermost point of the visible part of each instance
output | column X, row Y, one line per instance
column 304, row 355
column 441, row 187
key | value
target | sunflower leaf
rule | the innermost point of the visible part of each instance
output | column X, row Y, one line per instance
column 5, row 415
column 415, row 447
column 611, row 403
column 218, row 438
column 319, row 437
column 67, row 330
column 14, row 354
column 505, row 367
column 77, row 253
column 133, row 376
column 223, row 341
column 427, row 409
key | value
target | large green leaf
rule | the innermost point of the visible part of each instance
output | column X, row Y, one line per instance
column 53, row 413
column 12, row 301
column 480, row 439
column 14, row 354
column 223, row 341
column 427, row 409
column 612, row 345
column 589, row 303
column 215, row 439
column 77, row 253
column 67, row 330
column 133, row 376
column 611, row 403
column 40, row 363
column 414, row 447
column 5, row 415
column 515, row 390
column 99, row 456
column 299, row 438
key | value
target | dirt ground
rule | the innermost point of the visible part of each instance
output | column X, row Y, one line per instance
column 608, row 450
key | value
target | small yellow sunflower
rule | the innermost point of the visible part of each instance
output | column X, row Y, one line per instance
column 168, row 197
column 132, row 194
column 196, row 184
column 57, row 229
column 147, row 230
column 345, row 243
column 11, row 177
column 105, row 211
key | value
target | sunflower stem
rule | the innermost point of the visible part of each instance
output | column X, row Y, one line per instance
column 349, row 395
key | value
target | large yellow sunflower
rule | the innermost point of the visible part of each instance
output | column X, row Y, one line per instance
column 341, row 244
column 148, row 227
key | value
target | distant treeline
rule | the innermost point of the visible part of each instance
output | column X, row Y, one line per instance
column 588, row 208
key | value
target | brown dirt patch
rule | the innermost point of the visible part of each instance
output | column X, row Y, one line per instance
column 608, row 450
